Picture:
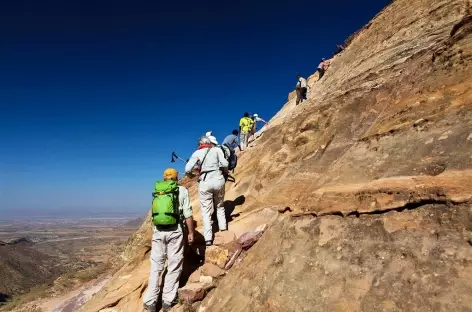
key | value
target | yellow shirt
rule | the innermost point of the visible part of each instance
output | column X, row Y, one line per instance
column 246, row 124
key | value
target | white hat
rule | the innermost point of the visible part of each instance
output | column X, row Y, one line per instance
column 208, row 134
column 212, row 139
column 255, row 115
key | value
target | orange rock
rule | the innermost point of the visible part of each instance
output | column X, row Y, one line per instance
column 216, row 255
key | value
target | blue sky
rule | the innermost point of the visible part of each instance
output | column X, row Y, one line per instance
column 95, row 95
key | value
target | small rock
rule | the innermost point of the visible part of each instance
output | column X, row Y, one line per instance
column 261, row 228
column 216, row 255
column 469, row 138
column 429, row 141
column 445, row 135
column 233, row 259
column 247, row 240
column 195, row 277
column 209, row 269
column 339, row 248
column 206, row 280
column 419, row 122
column 222, row 238
column 192, row 292
column 279, row 259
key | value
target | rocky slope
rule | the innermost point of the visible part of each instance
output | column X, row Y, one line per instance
column 371, row 177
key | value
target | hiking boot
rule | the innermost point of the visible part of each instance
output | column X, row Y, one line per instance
column 166, row 307
column 150, row 308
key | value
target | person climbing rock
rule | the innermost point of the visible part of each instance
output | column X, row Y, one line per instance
column 170, row 208
column 256, row 119
column 322, row 67
column 211, row 184
column 301, row 89
column 245, row 127
column 232, row 142
column 339, row 49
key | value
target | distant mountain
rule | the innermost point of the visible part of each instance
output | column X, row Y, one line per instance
column 135, row 223
column 22, row 267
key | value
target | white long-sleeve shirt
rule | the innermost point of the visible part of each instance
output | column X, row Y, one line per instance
column 301, row 82
column 214, row 160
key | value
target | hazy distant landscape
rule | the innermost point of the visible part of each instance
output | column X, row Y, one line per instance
column 36, row 251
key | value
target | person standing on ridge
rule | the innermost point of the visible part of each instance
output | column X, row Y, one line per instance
column 170, row 207
column 211, row 184
column 232, row 142
column 301, row 89
column 245, row 127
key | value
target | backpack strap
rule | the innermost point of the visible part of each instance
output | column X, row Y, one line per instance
column 201, row 165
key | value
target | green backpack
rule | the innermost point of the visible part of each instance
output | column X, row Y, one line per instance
column 165, row 204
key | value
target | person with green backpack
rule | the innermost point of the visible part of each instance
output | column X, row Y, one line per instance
column 170, row 208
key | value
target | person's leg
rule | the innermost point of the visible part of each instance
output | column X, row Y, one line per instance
column 175, row 260
column 218, row 199
column 297, row 90
column 206, row 205
column 241, row 140
column 320, row 73
column 304, row 93
column 158, row 253
column 244, row 137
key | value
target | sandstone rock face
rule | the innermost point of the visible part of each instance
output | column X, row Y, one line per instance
column 396, row 261
column 375, row 168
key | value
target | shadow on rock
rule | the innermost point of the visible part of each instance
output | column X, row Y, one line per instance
column 230, row 205
column 4, row 297
column 194, row 256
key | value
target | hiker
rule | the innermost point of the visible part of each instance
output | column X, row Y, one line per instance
column 339, row 49
column 256, row 118
column 211, row 184
column 322, row 67
column 301, row 89
column 245, row 127
column 170, row 207
column 232, row 142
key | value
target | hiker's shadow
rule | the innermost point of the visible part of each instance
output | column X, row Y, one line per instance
column 194, row 256
column 230, row 205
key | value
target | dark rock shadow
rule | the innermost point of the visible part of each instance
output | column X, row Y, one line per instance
column 4, row 298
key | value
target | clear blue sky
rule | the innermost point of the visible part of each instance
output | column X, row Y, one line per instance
column 95, row 95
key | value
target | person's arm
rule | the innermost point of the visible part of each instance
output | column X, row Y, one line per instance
column 191, row 229
column 260, row 119
column 191, row 162
column 188, row 215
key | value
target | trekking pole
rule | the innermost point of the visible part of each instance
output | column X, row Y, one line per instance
column 174, row 157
